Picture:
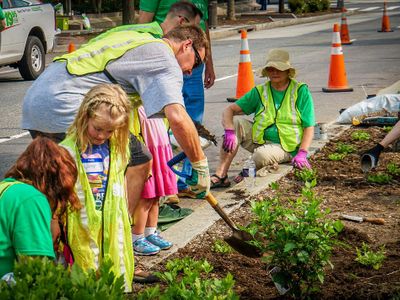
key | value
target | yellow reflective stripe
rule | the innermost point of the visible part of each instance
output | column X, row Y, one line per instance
column 294, row 113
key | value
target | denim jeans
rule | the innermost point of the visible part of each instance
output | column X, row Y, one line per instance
column 193, row 95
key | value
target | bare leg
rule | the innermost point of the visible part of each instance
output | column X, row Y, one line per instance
column 152, row 218
column 136, row 176
column 141, row 215
column 225, row 162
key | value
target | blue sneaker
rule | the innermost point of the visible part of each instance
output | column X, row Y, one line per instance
column 143, row 247
column 157, row 240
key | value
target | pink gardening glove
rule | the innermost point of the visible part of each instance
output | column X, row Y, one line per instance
column 300, row 160
column 230, row 140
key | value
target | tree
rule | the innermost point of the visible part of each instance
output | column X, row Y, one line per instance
column 281, row 6
column 231, row 10
column 128, row 12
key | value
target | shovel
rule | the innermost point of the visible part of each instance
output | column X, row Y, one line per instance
column 239, row 238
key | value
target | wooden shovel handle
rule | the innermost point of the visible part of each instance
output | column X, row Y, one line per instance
column 377, row 221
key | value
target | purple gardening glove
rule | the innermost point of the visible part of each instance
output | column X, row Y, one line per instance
column 230, row 140
column 300, row 160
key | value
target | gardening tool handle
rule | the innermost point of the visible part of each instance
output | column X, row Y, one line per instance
column 377, row 221
column 214, row 203
column 175, row 160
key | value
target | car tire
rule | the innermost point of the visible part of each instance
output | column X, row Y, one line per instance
column 33, row 62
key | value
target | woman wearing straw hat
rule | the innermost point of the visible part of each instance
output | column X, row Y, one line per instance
column 283, row 124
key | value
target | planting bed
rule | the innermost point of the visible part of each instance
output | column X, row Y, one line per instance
column 345, row 190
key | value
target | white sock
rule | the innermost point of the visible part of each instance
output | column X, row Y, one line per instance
column 135, row 237
column 149, row 231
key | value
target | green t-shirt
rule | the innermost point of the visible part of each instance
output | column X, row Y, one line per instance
column 2, row 15
column 25, row 217
column 160, row 9
column 251, row 102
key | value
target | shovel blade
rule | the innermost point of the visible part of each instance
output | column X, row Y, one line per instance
column 239, row 241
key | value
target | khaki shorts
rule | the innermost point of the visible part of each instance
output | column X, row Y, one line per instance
column 263, row 155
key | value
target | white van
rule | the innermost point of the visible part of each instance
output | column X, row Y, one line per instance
column 28, row 36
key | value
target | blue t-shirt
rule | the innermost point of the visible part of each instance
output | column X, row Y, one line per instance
column 96, row 162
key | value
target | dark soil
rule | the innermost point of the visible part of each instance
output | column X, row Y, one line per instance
column 345, row 190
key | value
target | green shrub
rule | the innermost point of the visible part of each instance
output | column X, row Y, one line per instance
column 360, row 135
column 336, row 156
column 393, row 169
column 296, row 6
column 40, row 278
column 221, row 246
column 325, row 5
column 345, row 148
column 306, row 175
column 297, row 238
column 367, row 257
column 316, row 5
column 186, row 280
column 380, row 178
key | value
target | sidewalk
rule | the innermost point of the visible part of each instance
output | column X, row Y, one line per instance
column 79, row 37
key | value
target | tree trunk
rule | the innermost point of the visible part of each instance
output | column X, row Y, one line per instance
column 231, row 10
column 339, row 3
column 281, row 6
column 128, row 12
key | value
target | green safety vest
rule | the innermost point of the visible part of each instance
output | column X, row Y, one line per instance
column 95, row 235
column 94, row 57
column 286, row 118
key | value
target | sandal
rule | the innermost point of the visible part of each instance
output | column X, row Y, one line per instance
column 239, row 177
column 221, row 182
column 144, row 277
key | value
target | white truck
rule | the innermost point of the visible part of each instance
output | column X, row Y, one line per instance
column 29, row 34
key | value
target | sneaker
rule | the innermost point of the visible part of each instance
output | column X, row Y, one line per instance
column 157, row 240
column 172, row 199
column 143, row 247
column 187, row 193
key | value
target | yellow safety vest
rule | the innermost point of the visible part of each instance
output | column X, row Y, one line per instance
column 95, row 56
column 286, row 118
column 95, row 235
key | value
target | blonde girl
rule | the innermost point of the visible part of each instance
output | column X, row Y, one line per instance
column 98, row 139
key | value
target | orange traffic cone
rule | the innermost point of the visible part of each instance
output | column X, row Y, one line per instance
column 337, row 72
column 245, row 79
column 71, row 47
column 385, row 20
column 344, row 30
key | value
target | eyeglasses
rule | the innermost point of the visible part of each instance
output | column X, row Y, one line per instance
column 185, row 18
column 197, row 61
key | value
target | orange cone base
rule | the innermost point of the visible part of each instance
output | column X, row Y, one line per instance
column 336, row 90
column 348, row 43
column 385, row 30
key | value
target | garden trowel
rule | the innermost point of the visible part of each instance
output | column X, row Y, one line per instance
column 377, row 221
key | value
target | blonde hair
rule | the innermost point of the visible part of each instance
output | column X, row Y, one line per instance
column 114, row 98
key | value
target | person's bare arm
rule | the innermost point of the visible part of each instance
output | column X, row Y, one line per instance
column 184, row 131
column 308, row 135
column 145, row 17
column 228, row 114
column 393, row 135
column 209, row 74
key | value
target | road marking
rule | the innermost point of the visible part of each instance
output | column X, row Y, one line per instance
column 370, row 8
column 392, row 7
column 352, row 8
column 13, row 137
column 226, row 77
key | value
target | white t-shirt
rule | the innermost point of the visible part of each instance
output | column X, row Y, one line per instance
column 151, row 70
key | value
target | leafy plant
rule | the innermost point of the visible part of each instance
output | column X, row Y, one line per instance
column 393, row 169
column 315, row 5
column 40, row 278
column 380, row 178
column 306, row 175
column 336, row 156
column 367, row 257
column 186, row 280
column 297, row 238
column 345, row 148
column 387, row 128
column 296, row 6
column 221, row 246
column 360, row 135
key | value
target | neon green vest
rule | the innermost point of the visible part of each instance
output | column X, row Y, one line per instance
column 287, row 118
column 96, row 235
column 94, row 57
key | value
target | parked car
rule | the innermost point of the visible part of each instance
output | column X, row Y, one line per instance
column 28, row 36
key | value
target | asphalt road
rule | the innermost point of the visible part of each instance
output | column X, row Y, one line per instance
column 371, row 62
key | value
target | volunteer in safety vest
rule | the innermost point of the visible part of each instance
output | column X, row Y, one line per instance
column 283, row 124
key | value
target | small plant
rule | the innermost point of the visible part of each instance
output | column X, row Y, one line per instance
column 360, row 135
column 380, row 178
column 40, row 278
column 186, row 279
column 296, row 237
column 393, row 169
column 221, row 247
column 336, row 156
column 306, row 175
column 367, row 257
column 345, row 148
column 387, row 128
column 297, row 6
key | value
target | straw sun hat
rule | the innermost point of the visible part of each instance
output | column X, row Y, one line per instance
column 278, row 59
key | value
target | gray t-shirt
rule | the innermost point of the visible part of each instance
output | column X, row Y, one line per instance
column 151, row 70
